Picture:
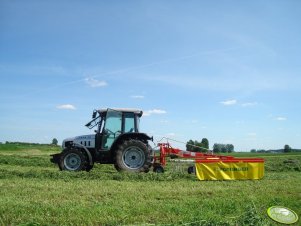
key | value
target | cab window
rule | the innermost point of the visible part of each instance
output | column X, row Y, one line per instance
column 129, row 123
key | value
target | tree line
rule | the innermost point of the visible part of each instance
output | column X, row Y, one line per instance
column 197, row 146
column 203, row 146
column 53, row 142
column 286, row 149
column 223, row 148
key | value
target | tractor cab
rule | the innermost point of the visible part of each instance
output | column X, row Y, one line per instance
column 111, row 123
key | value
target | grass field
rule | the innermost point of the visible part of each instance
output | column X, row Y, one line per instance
column 34, row 192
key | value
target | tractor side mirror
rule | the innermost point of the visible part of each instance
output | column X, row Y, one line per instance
column 94, row 114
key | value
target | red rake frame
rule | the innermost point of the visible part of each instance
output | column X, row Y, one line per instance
column 166, row 150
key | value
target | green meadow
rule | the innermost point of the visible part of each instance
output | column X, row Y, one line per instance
column 34, row 192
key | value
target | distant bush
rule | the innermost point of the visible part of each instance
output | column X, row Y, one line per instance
column 24, row 143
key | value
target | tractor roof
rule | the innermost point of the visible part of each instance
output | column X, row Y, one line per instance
column 130, row 110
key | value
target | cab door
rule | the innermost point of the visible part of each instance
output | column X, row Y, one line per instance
column 112, row 128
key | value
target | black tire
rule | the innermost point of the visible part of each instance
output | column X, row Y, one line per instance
column 74, row 160
column 89, row 167
column 191, row 170
column 158, row 168
column 133, row 156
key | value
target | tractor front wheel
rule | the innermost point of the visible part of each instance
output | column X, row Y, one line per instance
column 133, row 156
column 73, row 160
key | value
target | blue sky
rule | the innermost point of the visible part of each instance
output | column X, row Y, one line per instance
column 225, row 70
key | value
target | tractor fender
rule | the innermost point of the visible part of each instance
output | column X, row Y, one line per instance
column 87, row 152
column 137, row 136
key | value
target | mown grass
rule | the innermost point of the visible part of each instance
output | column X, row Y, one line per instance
column 34, row 192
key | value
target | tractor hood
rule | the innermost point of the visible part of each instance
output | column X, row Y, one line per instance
column 83, row 140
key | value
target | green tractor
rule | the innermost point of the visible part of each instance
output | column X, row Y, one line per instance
column 116, row 140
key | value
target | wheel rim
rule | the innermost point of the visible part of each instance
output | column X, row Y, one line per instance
column 133, row 158
column 72, row 161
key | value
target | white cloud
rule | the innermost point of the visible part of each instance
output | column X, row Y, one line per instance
column 95, row 83
column 137, row 97
column 249, row 104
column 154, row 112
column 280, row 118
column 228, row 102
column 240, row 122
column 66, row 107
column 252, row 80
column 170, row 134
column 164, row 121
column 252, row 134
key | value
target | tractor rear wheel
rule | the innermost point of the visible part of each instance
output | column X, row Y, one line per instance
column 73, row 160
column 133, row 156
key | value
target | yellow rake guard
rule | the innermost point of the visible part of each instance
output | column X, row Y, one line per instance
column 233, row 169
